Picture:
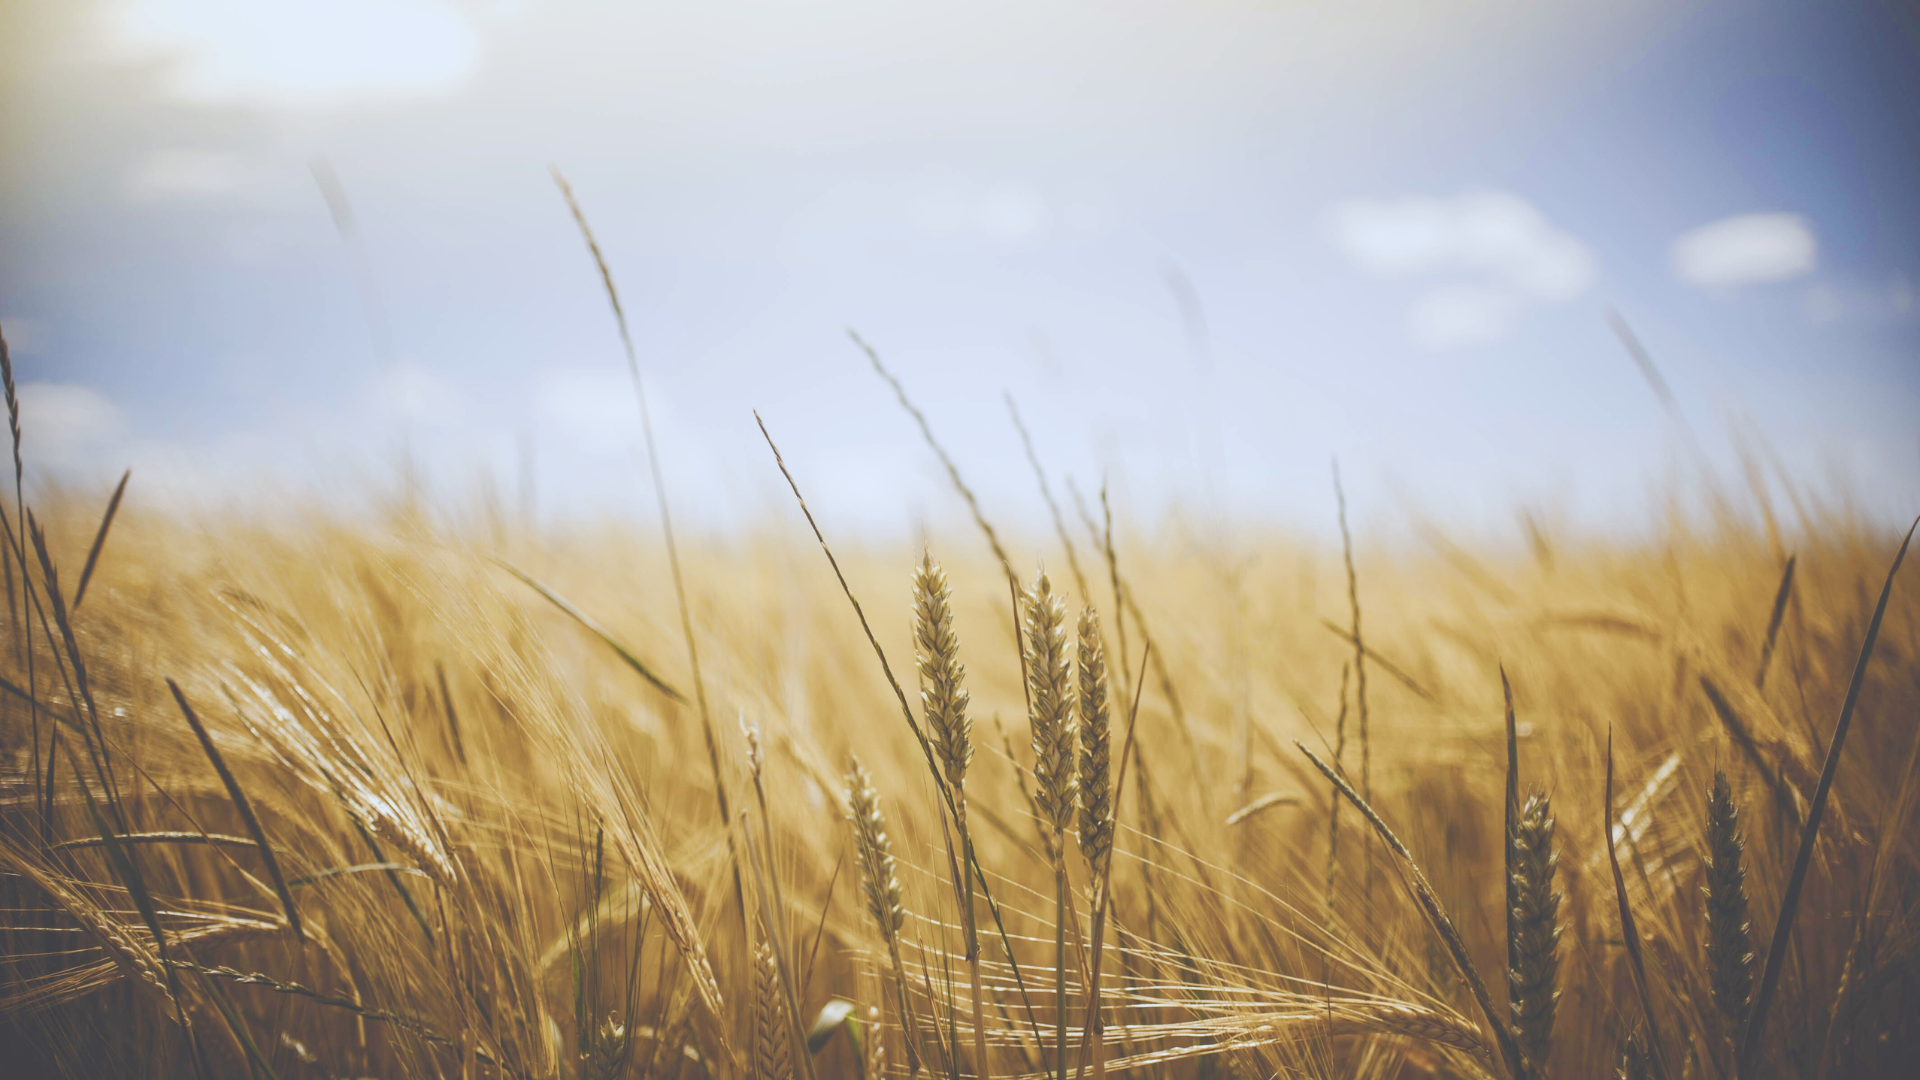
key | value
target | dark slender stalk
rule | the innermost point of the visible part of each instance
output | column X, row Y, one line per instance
column 926, row 746
column 1512, row 815
column 1436, row 916
column 953, row 471
column 100, row 538
column 598, row 630
column 1790, row 902
column 1359, row 663
column 1780, row 598
column 19, row 545
column 1627, row 929
column 1053, row 506
column 1333, row 803
column 243, row 806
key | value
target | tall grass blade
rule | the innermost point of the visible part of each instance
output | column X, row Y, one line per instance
column 1780, row 598
column 245, row 808
column 1790, row 901
column 1628, row 931
column 594, row 627
column 100, row 539
column 1436, row 917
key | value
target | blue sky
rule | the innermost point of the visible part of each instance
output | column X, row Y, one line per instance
column 1207, row 247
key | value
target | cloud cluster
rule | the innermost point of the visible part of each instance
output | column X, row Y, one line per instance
column 305, row 52
column 64, row 424
column 1747, row 249
column 1499, row 251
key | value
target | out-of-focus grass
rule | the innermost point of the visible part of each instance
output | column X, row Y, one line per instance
column 502, row 845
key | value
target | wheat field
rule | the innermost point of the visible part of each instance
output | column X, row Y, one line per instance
column 400, row 796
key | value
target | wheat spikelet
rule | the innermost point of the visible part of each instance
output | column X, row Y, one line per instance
column 1049, row 682
column 881, row 884
column 772, row 1043
column 875, row 852
column 943, row 695
column 1531, row 992
column 873, row 1062
column 1635, row 1062
column 943, row 700
column 1729, row 940
column 1425, row 1025
column 1096, row 781
column 609, row 1052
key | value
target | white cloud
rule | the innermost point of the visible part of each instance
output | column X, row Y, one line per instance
column 1456, row 315
column 1857, row 302
column 305, row 52
column 593, row 409
column 411, row 392
column 1010, row 213
column 187, row 173
column 1509, row 252
column 62, row 424
column 1488, row 233
column 1747, row 249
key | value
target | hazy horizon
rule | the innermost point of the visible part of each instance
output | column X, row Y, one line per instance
column 1208, row 248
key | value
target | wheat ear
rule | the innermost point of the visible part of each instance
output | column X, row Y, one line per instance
column 772, row 1044
column 943, row 701
column 1096, row 781
column 873, row 1058
column 1049, row 685
column 1531, row 989
column 1096, row 806
column 881, row 884
column 1635, row 1062
column 1729, row 937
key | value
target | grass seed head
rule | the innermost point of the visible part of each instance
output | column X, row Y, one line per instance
column 1049, row 681
column 1531, row 982
column 1096, row 781
column 1729, row 938
column 1635, row 1062
column 943, row 693
column 772, row 1044
column 877, row 876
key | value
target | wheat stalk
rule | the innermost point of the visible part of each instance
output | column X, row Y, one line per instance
column 1051, row 716
column 1096, row 805
column 943, row 701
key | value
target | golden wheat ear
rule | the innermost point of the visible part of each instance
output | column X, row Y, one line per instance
column 772, row 1041
column 1729, row 944
column 1095, row 774
column 881, row 884
column 1532, row 977
column 943, row 694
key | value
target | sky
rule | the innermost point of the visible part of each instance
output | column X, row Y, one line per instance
column 273, row 253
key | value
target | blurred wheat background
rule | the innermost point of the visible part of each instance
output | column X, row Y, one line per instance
column 1350, row 539
column 405, row 797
